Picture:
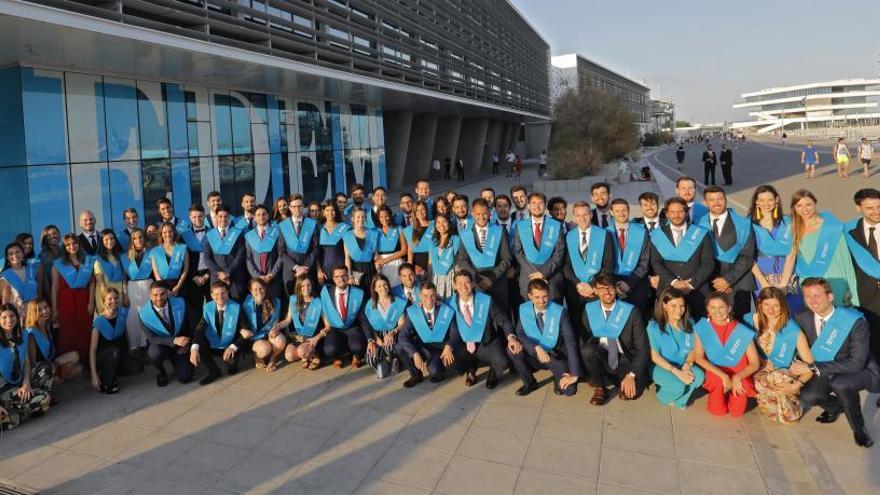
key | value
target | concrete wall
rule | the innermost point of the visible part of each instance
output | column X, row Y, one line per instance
column 537, row 138
column 446, row 140
column 397, row 127
column 472, row 143
column 505, row 143
column 493, row 145
column 421, row 148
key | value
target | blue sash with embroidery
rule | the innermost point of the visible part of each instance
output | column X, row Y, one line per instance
column 43, row 341
column 298, row 244
column 674, row 345
column 352, row 307
column 473, row 332
column 443, row 315
column 250, row 311
column 549, row 235
column 610, row 328
column 168, row 269
column 108, row 331
column 6, row 361
column 468, row 223
column 784, row 344
column 113, row 270
column 686, row 247
column 625, row 262
column 76, row 278
column 864, row 259
column 741, row 225
column 135, row 271
column 730, row 353
column 308, row 327
column 124, row 239
column 221, row 339
column 388, row 322
column 698, row 211
column 151, row 320
column 826, row 246
column 774, row 246
column 355, row 252
column 189, row 237
column 484, row 259
column 333, row 237
column 241, row 223
column 27, row 288
column 388, row 242
column 837, row 329
column 586, row 268
column 222, row 247
column 425, row 242
column 552, row 324
column 443, row 259
column 399, row 291
column 267, row 243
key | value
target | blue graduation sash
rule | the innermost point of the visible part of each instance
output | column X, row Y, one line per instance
column 76, row 278
column 686, row 247
column 729, row 354
column 864, row 259
column 313, row 316
column 774, row 246
column 352, row 307
column 221, row 339
column 443, row 315
column 698, row 211
column 425, row 242
column 674, row 345
column 241, row 223
column 355, row 252
column 837, row 329
column 742, row 226
column 27, row 288
column 151, row 320
column 625, row 262
column 102, row 324
column 552, row 324
column 388, row 242
column 549, row 235
column 43, row 342
column 473, row 332
column 398, row 291
column 135, row 271
column 298, row 244
column 610, row 328
column 6, row 360
column 784, row 344
column 468, row 222
column 442, row 261
column 333, row 237
column 192, row 242
column 585, row 269
column 113, row 271
column 389, row 321
column 250, row 311
column 267, row 243
column 168, row 269
column 124, row 239
column 826, row 245
column 484, row 259
column 222, row 247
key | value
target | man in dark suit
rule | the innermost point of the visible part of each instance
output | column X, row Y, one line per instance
column 590, row 250
column 221, row 331
column 224, row 254
column 682, row 256
column 485, row 254
column 168, row 331
column 548, row 341
column 263, row 251
column 686, row 189
column 299, row 237
column 460, row 220
column 403, row 218
column 710, row 159
column 652, row 217
column 600, row 195
column 726, row 164
column 730, row 232
column 557, row 206
column 614, row 346
column 342, row 304
column 198, row 281
column 539, row 248
column 90, row 238
column 631, row 258
column 844, row 366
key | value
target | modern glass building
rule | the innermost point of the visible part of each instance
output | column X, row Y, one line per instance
column 110, row 105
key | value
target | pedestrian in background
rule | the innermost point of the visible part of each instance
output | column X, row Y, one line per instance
column 459, row 169
column 509, row 158
column 679, row 156
column 866, row 152
column 841, row 157
column 542, row 164
column 495, row 161
column 726, row 164
column 809, row 159
column 447, row 168
column 710, row 159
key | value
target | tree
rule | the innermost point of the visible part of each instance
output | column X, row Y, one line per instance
column 682, row 123
column 590, row 127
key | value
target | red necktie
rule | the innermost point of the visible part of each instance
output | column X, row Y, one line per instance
column 264, row 257
column 343, row 312
column 621, row 238
column 537, row 234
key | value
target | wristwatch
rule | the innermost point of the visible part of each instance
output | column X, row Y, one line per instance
column 814, row 369
column 631, row 374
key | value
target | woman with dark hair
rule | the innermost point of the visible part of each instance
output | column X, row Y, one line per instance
column 108, row 351
column 19, row 278
column 280, row 211
column 21, row 398
column 170, row 259
column 779, row 340
column 50, row 248
column 109, row 270
column 315, row 212
column 726, row 349
column 418, row 238
column 330, row 250
column 384, row 316
column 672, row 350
column 139, row 276
column 73, row 297
column 773, row 236
column 262, row 312
column 392, row 246
column 441, row 259
column 304, row 311
column 443, row 207
column 27, row 245
column 361, row 245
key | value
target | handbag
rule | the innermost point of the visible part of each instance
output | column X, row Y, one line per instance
column 381, row 362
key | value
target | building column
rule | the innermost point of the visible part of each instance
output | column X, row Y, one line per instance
column 397, row 127
column 493, row 145
column 446, row 141
column 472, row 144
column 505, row 143
column 537, row 138
column 421, row 147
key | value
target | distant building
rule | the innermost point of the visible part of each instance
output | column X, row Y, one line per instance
column 815, row 106
column 663, row 114
column 573, row 70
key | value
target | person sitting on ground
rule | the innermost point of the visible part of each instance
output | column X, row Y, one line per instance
column 671, row 335
column 108, row 354
column 262, row 312
column 20, row 398
column 221, row 331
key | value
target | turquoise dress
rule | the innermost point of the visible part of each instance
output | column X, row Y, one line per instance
column 674, row 345
column 840, row 273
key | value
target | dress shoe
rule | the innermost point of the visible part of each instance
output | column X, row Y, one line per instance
column 556, row 389
column 412, row 382
column 862, row 438
column 356, row 362
column 162, row 379
column 829, row 417
column 491, row 380
column 439, row 377
column 210, row 378
column 470, row 379
column 232, row 369
column 598, row 398
column 526, row 389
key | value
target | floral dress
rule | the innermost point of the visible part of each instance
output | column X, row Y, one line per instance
column 771, row 383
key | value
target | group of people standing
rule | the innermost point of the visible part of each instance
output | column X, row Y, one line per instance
column 452, row 284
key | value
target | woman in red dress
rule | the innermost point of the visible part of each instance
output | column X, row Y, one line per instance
column 73, row 298
column 726, row 350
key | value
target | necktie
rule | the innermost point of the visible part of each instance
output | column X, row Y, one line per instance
column 222, row 234
column 462, row 225
column 163, row 315
column 94, row 241
column 468, row 318
column 537, row 234
column 604, row 220
column 621, row 238
column 198, row 231
column 483, row 238
column 250, row 222
column 297, row 225
column 219, row 321
column 264, row 257
column 540, row 319
column 676, row 236
column 409, row 296
column 822, row 322
column 872, row 242
column 343, row 311
column 429, row 318
column 650, row 226
column 584, row 244
column 715, row 229
column 613, row 357
column 406, row 220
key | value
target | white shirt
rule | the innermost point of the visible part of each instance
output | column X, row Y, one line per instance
column 677, row 233
column 481, row 234
column 649, row 221
column 817, row 320
column 866, row 151
column 469, row 305
column 865, row 228
column 603, row 341
column 722, row 218
column 510, row 157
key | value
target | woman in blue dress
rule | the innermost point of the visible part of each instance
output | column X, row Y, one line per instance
column 330, row 250
column 19, row 278
column 170, row 259
column 773, row 236
column 671, row 334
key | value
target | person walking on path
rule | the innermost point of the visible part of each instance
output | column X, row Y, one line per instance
column 459, row 168
column 447, row 168
column 726, row 164
column 841, row 157
column 495, row 160
column 809, row 159
column 509, row 158
column 542, row 164
column 866, row 152
column 710, row 159
column 679, row 156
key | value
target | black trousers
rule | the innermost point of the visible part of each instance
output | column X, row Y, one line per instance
column 709, row 171
column 459, row 172
column 595, row 359
column 179, row 358
column 194, row 295
column 431, row 355
column 210, row 356
column 113, row 361
column 521, row 364
column 726, row 172
column 340, row 342
column 494, row 167
column 742, row 303
column 558, row 365
column 845, row 387
column 492, row 355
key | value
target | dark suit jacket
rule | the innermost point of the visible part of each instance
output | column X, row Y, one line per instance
column 854, row 355
column 567, row 344
column 307, row 259
column 596, row 217
column 608, row 261
column 710, row 158
column 409, row 339
column 739, row 273
column 233, row 264
column 237, row 341
column 638, row 279
column 186, row 329
column 699, row 268
column 273, row 260
column 633, row 340
column 551, row 269
column 502, row 259
column 86, row 246
column 726, row 158
column 498, row 326
column 360, row 322
column 661, row 219
column 868, row 287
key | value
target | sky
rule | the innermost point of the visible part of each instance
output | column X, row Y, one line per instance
column 704, row 55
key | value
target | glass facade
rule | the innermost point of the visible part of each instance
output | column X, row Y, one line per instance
column 76, row 141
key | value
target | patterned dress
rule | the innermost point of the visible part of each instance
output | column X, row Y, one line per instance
column 771, row 383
